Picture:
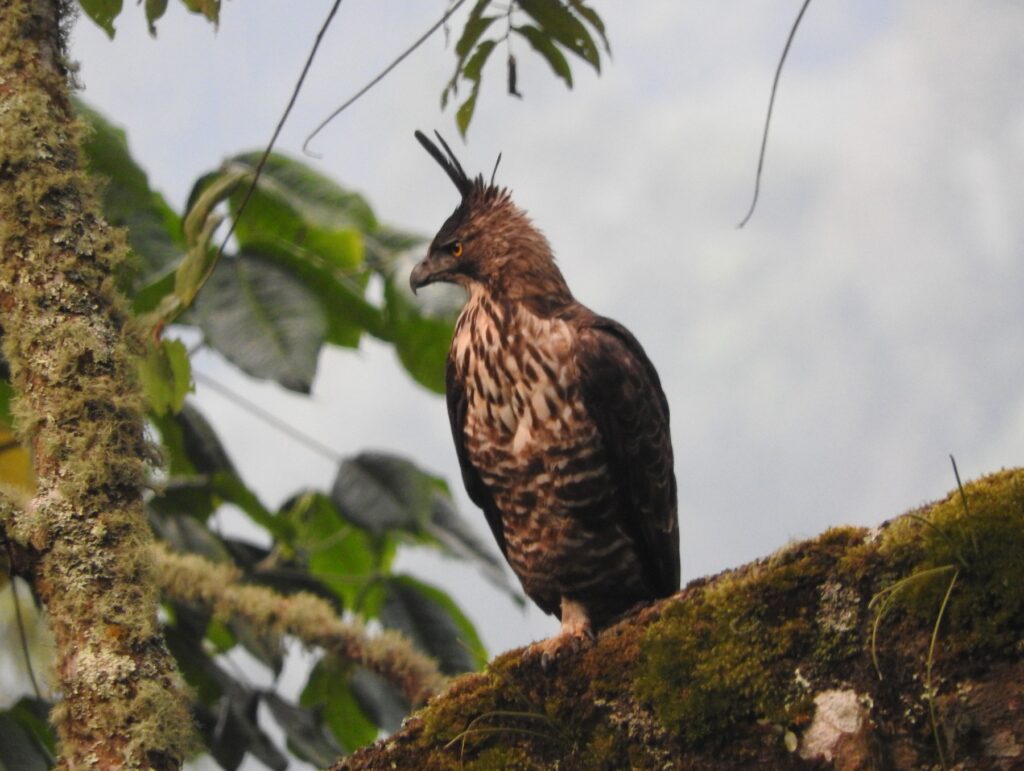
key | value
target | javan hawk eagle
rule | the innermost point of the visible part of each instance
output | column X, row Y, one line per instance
column 560, row 423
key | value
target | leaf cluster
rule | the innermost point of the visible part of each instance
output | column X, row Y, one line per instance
column 298, row 277
column 554, row 30
column 105, row 12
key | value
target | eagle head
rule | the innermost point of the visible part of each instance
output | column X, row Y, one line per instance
column 488, row 241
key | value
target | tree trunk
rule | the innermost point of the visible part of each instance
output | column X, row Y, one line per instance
column 900, row 647
column 83, row 538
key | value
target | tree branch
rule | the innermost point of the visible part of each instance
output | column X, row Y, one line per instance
column 79, row 411
column 770, row 666
column 190, row 578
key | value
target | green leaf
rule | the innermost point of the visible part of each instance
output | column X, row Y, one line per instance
column 475, row 27
column 464, row 115
column 381, row 492
column 340, row 292
column 154, row 230
column 434, row 623
column 337, row 553
column 154, row 10
column 166, row 376
column 558, row 22
column 329, row 691
column 542, row 44
column 305, row 731
column 476, row 63
column 103, row 12
column 472, row 72
column 595, row 21
column 316, row 201
column 34, row 716
column 208, row 8
column 263, row 320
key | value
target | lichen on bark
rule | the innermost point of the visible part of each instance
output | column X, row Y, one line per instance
column 67, row 338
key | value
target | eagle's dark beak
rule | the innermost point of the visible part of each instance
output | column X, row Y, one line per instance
column 433, row 267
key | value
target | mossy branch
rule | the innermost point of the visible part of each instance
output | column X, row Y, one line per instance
column 216, row 586
column 68, row 341
column 770, row 665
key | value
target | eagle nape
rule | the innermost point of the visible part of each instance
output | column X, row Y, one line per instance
column 560, row 424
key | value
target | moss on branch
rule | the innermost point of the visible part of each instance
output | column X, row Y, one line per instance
column 190, row 578
column 772, row 666
column 78, row 408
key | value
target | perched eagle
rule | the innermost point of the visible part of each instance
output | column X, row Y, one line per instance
column 559, row 420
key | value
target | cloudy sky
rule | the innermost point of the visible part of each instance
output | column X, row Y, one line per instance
column 821, row 364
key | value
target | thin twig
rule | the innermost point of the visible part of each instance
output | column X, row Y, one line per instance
column 380, row 76
column 771, row 106
column 277, row 131
column 268, row 417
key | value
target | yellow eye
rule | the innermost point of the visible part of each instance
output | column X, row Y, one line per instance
column 456, row 249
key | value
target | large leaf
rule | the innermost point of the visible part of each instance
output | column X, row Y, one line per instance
column 381, row 492
column 154, row 230
column 295, row 202
column 434, row 623
column 330, row 691
column 337, row 553
column 263, row 320
column 340, row 292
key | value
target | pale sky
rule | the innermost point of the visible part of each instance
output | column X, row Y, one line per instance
column 820, row 364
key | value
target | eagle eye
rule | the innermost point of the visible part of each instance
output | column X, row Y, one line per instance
column 456, row 248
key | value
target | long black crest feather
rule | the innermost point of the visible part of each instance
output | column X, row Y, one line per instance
column 449, row 163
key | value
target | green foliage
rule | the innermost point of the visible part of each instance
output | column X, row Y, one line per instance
column 307, row 252
column 104, row 12
column 981, row 538
column 166, row 376
column 557, row 28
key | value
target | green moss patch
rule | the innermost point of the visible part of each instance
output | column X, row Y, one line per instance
column 983, row 543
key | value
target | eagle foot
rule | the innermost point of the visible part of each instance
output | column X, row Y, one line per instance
column 575, row 635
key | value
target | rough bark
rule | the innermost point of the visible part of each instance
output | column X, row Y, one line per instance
column 785, row 663
column 83, row 537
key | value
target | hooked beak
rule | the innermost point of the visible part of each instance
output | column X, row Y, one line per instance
column 433, row 267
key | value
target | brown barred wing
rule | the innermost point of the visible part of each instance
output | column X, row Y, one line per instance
column 475, row 488
column 623, row 395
